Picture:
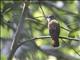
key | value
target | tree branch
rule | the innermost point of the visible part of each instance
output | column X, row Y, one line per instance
column 17, row 35
column 44, row 37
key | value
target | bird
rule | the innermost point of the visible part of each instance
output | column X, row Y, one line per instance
column 54, row 30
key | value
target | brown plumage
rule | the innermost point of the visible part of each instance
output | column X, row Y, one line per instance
column 54, row 30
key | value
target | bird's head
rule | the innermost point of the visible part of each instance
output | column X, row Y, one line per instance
column 50, row 17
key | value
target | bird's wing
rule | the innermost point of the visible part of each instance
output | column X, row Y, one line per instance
column 54, row 30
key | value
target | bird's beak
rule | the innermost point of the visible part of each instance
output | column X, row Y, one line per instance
column 48, row 19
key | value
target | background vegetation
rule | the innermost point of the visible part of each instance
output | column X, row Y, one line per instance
column 24, row 20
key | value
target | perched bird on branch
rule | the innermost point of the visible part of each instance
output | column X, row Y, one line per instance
column 54, row 30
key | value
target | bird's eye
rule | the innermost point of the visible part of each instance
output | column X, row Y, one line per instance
column 52, row 17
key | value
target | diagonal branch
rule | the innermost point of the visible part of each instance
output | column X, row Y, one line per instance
column 17, row 34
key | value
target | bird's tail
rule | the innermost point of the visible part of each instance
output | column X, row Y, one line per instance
column 56, row 42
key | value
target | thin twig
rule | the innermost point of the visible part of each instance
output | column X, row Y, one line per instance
column 42, row 11
column 69, row 38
